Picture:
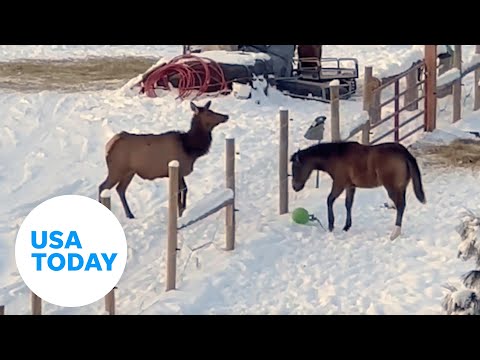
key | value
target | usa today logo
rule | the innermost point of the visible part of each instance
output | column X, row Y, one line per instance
column 71, row 251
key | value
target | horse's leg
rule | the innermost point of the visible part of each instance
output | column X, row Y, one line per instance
column 348, row 205
column 334, row 194
column 121, row 190
column 182, row 196
column 398, row 197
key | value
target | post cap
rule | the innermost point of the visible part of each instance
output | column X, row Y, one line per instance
column 105, row 193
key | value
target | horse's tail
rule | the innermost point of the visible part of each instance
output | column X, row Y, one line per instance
column 416, row 177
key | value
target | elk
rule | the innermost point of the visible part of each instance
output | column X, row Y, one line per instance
column 148, row 155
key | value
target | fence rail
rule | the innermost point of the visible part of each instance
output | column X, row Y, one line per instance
column 411, row 101
column 449, row 83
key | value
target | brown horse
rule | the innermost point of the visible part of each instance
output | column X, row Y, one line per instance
column 148, row 155
column 352, row 165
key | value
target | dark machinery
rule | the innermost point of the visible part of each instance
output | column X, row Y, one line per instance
column 296, row 70
column 312, row 74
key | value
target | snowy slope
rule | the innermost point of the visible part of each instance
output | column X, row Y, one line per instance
column 387, row 60
column 16, row 52
column 53, row 144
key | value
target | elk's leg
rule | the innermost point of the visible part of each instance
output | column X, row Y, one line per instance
column 334, row 194
column 182, row 196
column 398, row 197
column 348, row 205
column 121, row 190
column 106, row 185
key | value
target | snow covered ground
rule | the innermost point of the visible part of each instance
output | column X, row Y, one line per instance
column 53, row 144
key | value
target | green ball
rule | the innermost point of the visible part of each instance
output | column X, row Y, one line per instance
column 301, row 216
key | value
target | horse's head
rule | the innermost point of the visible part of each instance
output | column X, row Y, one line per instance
column 301, row 171
column 207, row 118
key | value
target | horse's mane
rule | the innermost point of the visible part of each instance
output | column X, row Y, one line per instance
column 324, row 150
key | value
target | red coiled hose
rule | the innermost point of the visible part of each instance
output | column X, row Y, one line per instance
column 195, row 74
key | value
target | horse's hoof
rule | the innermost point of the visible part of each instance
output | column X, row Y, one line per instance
column 346, row 228
column 130, row 216
column 395, row 233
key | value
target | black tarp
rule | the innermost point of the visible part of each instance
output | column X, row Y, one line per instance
column 281, row 57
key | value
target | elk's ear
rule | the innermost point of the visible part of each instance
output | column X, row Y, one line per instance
column 194, row 108
column 207, row 105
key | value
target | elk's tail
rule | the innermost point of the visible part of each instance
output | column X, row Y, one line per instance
column 111, row 143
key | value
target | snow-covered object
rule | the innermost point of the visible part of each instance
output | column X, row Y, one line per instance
column 205, row 206
column 474, row 60
column 469, row 231
column 448, row 77
column 472, row 280
column 241, row 91
column 466, row 301
column 215, row 47
column 461, row 302
column 234, row 57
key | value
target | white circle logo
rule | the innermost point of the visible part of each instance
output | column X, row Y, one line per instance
column 71, row 251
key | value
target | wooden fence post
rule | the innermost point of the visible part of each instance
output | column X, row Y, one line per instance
column 283, row 162
column 2, row 309
column 36, row 304
column 367, row 102
column 367, row 88
column 110, row 302
column 230, row 183
column 335, row 112
column 366, row 133
column 375, row 110
column 106, row 201
column 371, row 99
column 430, row 87
column 476, row 104
column 174, row 188
column 412, row 91
column 397, row 111
column 457, row 86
